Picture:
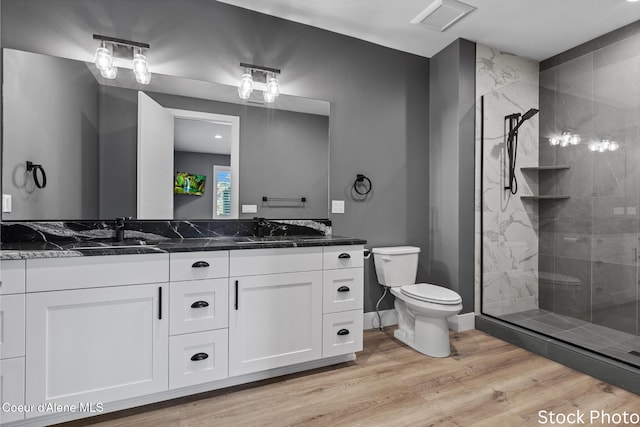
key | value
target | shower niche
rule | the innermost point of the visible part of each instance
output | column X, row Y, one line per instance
column 535, row 172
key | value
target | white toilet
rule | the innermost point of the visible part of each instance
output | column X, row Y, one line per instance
column 422, row 308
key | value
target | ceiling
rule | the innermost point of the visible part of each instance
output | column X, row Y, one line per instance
column 198, row 136
column 536, row 29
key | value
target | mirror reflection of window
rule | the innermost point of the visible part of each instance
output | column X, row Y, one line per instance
column 222, row 185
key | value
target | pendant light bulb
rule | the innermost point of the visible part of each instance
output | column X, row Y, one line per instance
column 140, row 63
column 273, row 87
column 143, row 78
column 104, row 58
column 269, row 97
column 111, row 73
column 246, row 86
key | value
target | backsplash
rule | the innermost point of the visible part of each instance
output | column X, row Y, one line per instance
column 49, row 231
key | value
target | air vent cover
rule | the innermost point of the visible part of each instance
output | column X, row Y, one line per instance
column 441, row 14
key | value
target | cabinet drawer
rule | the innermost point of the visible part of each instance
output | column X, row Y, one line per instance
column 12, row 326
column 250, row 262
column 347, row 256
column 198, row 305
column 199, row 265
column 341, row 333
column 11, row 388
column 12, row 274
column 342, row 290
column 53, row 274
column 198, row 358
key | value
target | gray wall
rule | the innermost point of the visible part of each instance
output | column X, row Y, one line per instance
column 379, row 96
column 118, row 152
column 190, row 207
column 451, row 166
column 37, row 105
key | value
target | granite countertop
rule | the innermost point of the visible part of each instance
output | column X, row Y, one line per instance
column 30, row 250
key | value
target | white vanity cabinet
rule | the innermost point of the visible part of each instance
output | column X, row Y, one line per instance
column 94, row 334
column 198, row 346
column 123, row 330
column 12, row 333
column 275, row 308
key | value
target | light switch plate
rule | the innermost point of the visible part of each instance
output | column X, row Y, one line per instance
column 337, row 206
column 6, row 203
column 249, row 208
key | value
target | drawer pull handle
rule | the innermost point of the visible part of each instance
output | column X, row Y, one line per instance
column 344, row 256
column 200, row 304
column 343, row 289
column 343, row 332
column 200, row 264
column 199, row 356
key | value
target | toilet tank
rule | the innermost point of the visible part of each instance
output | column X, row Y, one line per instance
column 397, row 265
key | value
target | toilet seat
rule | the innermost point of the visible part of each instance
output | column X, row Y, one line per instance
column 431, row 293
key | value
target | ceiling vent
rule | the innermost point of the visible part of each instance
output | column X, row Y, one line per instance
column 441, row 14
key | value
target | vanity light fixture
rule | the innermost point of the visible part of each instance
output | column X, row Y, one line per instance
column 261, row 74
column 567, row 138
column 604, row 145
column 110, row 47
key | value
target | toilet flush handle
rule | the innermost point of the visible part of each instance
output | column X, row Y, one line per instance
column 386, row 258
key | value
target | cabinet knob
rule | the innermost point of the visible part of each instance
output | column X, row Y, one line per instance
column 199, row 356
column 200, row 264
column 343, row 332
column 344, row 256
column 200, row 304
column 343, row 289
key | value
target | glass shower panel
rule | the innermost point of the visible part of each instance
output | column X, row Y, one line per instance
column 566, row 93
column 616, row 189
column 560, row 257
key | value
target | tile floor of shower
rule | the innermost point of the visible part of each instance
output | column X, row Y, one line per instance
column 610, row 342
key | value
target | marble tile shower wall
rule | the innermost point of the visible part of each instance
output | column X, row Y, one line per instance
column 509, row 235
column 588, row 258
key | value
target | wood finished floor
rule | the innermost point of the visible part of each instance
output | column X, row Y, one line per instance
column 485, row 382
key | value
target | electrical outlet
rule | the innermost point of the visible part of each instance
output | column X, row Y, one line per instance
column 337, row 206
column 6, row 203
column 249, row 208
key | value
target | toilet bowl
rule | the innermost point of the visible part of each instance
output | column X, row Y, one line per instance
column 422, row 308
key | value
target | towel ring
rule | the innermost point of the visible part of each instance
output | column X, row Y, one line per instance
column 34, row 168
column 362, row 181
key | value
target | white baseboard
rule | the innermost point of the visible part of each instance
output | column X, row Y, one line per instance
column 459, row 322
column 462, row 322
column 388, row 317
